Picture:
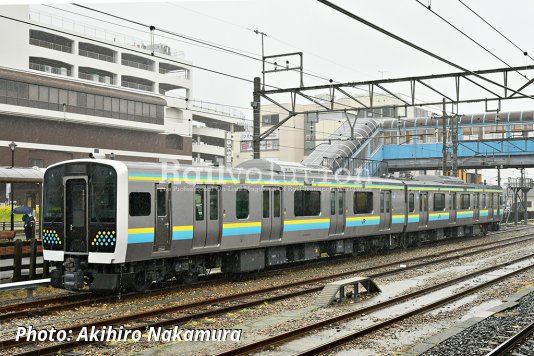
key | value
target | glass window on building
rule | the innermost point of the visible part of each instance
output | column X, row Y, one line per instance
column 271, row 119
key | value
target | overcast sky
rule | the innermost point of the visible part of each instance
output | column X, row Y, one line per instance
column 334, row 45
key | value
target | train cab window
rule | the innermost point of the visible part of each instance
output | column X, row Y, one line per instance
column 363, row 202
column 307, row 203
column 199, row 204
column 139, row 204
column 241, row 204
column 464, row 201
column 411, row 202
column 439, row 202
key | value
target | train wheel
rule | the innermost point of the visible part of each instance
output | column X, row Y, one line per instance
column 140, row 283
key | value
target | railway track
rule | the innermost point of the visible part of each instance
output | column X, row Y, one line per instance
column 521, row 343
column 334, row 343
column 74, row 300
column 191, row 311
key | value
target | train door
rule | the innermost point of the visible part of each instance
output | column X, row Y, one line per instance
column 75, row 214
column 207, row 224
column 271, row 223
column 423, row 208
column 337, row 211
column 162, row 233
column 385, row 210
column 452, row 207
column 476, row 211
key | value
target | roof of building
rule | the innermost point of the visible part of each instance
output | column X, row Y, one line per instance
column 21, row 174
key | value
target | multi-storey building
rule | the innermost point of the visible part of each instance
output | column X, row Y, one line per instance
column 67, row 88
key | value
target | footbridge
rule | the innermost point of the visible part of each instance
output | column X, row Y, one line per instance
column 487, row 140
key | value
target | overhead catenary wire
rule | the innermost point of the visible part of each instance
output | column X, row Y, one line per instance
column 525, row 53
column 206, row 43
column 414, row 46
column 469, row 37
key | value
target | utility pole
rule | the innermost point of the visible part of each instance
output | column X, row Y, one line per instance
column 262, row 34
column 444, row 138
column 454, row 134
column 256, row 98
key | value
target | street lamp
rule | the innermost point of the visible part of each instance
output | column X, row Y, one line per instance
column 12, row 147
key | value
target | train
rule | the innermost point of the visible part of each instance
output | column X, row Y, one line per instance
column 110, row 225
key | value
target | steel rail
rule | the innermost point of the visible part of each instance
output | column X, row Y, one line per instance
column 5, row 344
column 512, row 342
column 37, row 307
column 290, row 335
column 16, row 311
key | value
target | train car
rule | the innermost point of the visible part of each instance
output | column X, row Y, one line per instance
column 111, row 225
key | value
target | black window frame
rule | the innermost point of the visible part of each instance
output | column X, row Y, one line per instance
column 439, row 202
column 356, row 198
column 307, row 203
column 242, row 204
column 139, row 196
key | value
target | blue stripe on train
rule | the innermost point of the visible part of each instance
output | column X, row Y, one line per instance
column 302, row 227
column 140, row 238
column 182, row 235
column 247, row 230
column 363, row 222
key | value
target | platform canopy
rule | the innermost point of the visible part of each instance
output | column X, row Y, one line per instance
column 21, row 175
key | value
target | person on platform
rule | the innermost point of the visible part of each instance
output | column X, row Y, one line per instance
column 28, row 226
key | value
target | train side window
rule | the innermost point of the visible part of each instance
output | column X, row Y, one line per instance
column 483, row 205
column 381, row 202
column 420, row 202
column 464, row 201
column 161, row 199
column 214, row 204
column 277, row 204
column 411, row 203
column 266, row 206
column 199, row 204
column 363, row 202
column 140, row 204
column 241, row 204
column 332, row 202
column 439, row 202
column 307, row 203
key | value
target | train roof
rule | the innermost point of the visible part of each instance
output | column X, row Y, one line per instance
column 283, row 169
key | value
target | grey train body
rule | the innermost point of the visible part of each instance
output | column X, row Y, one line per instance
column 110, row 224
